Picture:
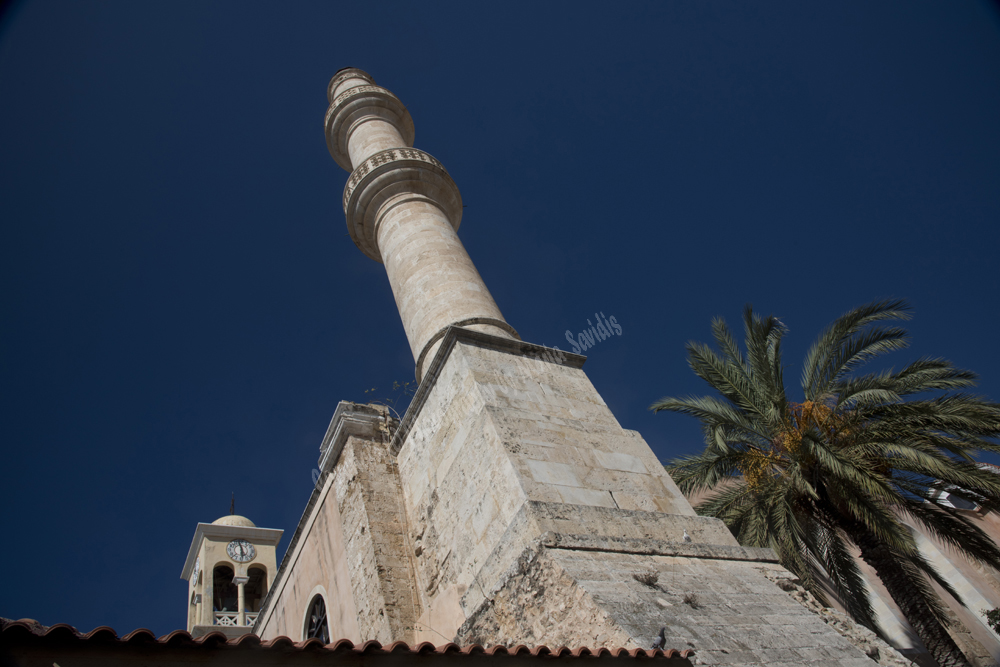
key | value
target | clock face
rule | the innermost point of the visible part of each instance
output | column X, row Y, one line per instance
column 241, row 551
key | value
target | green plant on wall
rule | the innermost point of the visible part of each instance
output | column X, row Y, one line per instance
column 993, row 618
column 398, row 398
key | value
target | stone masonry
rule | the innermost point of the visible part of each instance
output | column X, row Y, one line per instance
column 366, row 486
column 539, row 519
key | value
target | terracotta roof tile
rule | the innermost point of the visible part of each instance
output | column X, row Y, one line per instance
column 25, row 630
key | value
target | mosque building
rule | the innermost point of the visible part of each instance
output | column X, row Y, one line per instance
column 507, row 507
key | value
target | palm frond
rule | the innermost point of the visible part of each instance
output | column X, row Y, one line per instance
column 860, row 349
column 957, row 532
column 818, row 368
column 763, row 341
column 920, row 564
column 694, row 474
column 930, row 374
column 846, row 578
column 727, row 503
column 714, row 413
column 730, row 380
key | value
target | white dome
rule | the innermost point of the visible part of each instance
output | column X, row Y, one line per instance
column 234, row 520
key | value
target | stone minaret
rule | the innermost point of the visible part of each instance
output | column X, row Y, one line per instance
column 403, row 209
column 508, row 505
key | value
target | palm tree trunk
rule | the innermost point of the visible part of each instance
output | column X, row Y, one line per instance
column 934, row 635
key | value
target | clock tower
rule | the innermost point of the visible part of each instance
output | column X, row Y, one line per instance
column 229, row 569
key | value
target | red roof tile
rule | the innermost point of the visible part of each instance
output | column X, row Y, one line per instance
column 26, row 631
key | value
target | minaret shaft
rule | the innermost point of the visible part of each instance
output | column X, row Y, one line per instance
column 403, row 210
column 372, row 137
column 433, row 278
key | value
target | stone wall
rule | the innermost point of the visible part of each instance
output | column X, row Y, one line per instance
column 370, row 503
column 727, row 610
column 315, row 563
column 495, row 431
column 350, row 545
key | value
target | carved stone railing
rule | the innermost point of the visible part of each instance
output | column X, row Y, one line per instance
column 227, row 618
column 381, row 158
column 389, row 174
column 232, row 618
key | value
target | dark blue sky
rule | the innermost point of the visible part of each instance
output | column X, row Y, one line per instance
column 182, row 308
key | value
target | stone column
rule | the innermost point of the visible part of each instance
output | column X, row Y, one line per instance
column 403, row 209
column 241, row 600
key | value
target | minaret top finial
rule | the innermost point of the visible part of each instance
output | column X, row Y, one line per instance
column 344, row 74
column 356, row 101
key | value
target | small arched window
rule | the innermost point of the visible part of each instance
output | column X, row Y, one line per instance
column 316, row 625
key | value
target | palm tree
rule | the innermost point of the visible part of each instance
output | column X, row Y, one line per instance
column 846, row 468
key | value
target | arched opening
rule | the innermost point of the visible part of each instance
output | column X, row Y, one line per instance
column 316, row 625
column 224, row 591
column 253, row 590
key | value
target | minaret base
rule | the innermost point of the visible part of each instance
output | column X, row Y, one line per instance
column 538, row 519
column 510, row 507
column 574, row 590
